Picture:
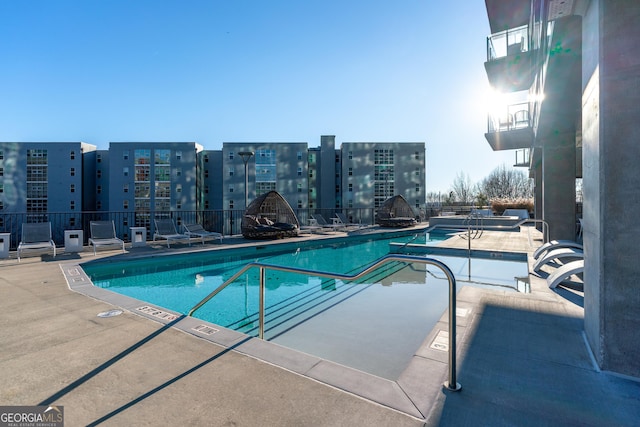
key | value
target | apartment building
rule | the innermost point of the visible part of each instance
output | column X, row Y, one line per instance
column 572, row 69
column 39, row 178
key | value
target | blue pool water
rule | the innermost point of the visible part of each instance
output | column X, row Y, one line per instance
column 306, row 312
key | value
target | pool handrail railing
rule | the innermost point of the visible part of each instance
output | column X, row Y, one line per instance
column 451, row 384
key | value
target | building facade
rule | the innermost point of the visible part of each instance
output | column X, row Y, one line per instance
column 577, row 69
column 135, row 182
column 38, row 178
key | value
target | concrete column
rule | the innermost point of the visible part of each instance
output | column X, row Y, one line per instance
column 611, row 180
column 559, row 185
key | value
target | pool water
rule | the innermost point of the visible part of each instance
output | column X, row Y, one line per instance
column 325, row 317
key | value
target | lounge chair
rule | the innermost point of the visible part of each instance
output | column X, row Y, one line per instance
column 103, row 233
column 342, row 218
column 563, row 273
column 556, row 255
column 324, row 224
column 520, row 213
column 166, row 229
column 555, row 244
column 197, row 231
column 36, row 236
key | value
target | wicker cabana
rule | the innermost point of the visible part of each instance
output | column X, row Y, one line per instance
column 269, row 217
column 396, row 212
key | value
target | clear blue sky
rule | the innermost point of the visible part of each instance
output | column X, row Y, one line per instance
column 217, row 71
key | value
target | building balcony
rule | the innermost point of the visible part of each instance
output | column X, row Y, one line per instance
column 522, row 158
column 510, row 128
column 510, row 60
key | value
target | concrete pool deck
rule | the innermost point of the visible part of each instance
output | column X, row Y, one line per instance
column 522, row 360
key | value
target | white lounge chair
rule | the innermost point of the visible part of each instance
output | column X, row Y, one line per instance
column 556, row 255
column 564, row 272
column 36, row 236
column 555, row 244
column 343, row 220
column 103, row 233
column 166, row 229
column 197, row 231
column 324, row 224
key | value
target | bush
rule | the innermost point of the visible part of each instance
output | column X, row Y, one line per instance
column 499, row 205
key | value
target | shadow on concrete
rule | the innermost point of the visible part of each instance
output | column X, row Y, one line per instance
column 521, row 367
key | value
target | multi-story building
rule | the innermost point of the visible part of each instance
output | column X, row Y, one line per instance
column 144, row 180
column 135, row 182
column 372, row 172
column 42, row 178
column 573, row 72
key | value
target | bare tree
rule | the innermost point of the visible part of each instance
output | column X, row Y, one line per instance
column 462, row 189
column 503, row 183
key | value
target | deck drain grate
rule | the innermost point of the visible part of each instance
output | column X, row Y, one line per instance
column 441, row 341
column 204, row 329
column 152, row 311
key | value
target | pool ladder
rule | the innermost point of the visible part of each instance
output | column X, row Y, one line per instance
column 451, row 384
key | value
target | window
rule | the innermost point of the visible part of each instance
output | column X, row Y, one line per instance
column 299, row 188
column 178, row 171
column 99, row 189
column 1, row 171
column 350, row 171
column 178, row 188
column 206, row 189
column 1, row 188
column 417, row 155
column 72, row 188
column 125, row 155
column 98, row 158
column 98, row 205
column 350, row 155
column 99, row 173
column 178, row 205
column 142, row 157
column 125, row 171
column 72, row 171
column 125, row 188
column 337, row 188
column 299, row 155
column 206, row 173
column 206, row 158
column 162, row 157
column 206, row 204
column 125, row 204
column 350, row 203
column 1, row 155
column 231, row 171
column 310, row 173
column 299, row 171
column 299, row 204
column 417, row 188
column 231, row 189
column 179, row 155
column 350, row 187
column 231, row 155
column 230, row 204
column 417, row 171
column 72, row 205
column 72, row 155
column 72, row 222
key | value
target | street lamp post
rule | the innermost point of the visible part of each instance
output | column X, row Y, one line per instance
column 246, row 155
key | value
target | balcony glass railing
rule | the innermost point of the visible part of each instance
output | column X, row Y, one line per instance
column 511, row 117
column 522, row 157
column 507, row 43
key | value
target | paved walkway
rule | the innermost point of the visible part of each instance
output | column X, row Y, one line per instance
column 522, row 360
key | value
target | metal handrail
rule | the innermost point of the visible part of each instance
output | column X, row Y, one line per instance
column 451, row 385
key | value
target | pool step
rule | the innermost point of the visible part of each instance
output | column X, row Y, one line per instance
column 285, row 315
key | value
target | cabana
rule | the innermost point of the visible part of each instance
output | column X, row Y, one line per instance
column 396, row 212
column 269, row 217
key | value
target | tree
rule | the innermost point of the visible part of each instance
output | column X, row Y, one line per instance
column 462, row 189
column 509, row 184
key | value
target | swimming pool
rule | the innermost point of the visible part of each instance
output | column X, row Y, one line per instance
column 356, row 324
